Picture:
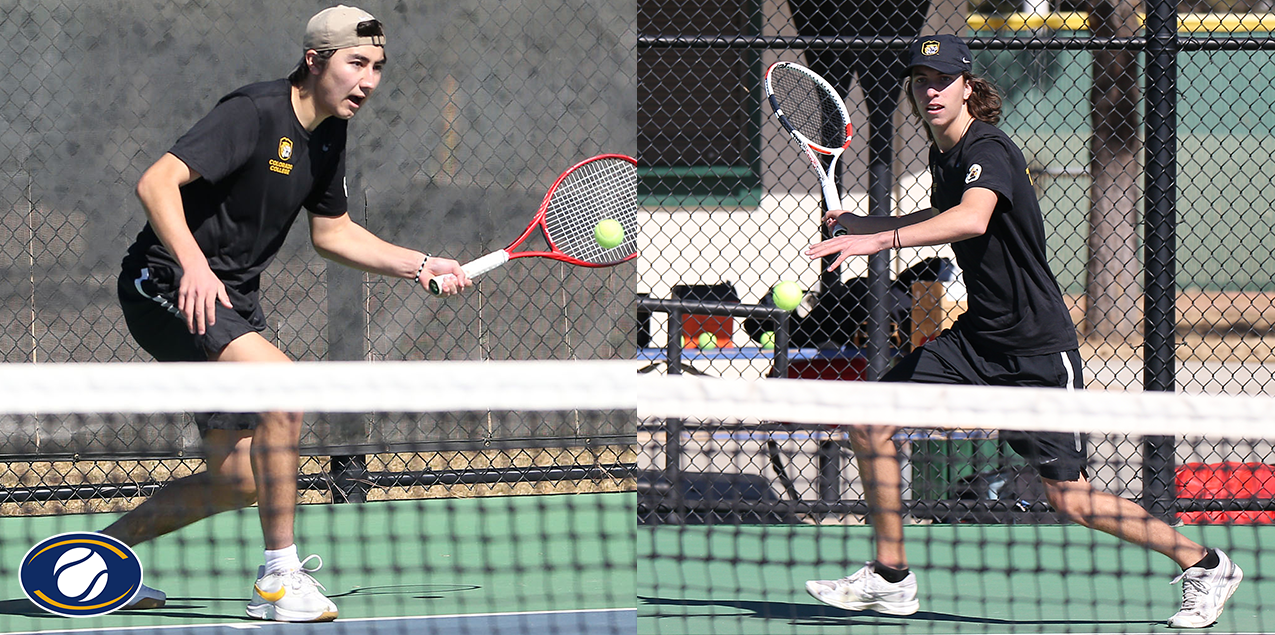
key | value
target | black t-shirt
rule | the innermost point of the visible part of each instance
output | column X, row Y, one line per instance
column 258, row 168
column 1015, row 305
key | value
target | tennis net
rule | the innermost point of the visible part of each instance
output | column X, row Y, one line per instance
column 467, row 497
column 750, row 490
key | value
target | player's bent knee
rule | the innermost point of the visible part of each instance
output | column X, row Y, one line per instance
column 289, row 422
column 236, row 487
column 240, row 494
column 1072, row 499
column 870, row 436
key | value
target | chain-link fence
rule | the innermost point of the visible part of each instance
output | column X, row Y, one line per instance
column 1143, row 130
column 482, row 104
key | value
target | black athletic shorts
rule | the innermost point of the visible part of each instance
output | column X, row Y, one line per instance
column 952, row 359
column 149, row 302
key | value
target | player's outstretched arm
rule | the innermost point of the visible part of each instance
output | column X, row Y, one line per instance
column 924, row 228
column 342, row 240
column 859, row 225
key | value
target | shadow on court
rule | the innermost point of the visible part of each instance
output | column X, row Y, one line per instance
column 415, row 591
column 25, row 608
column 176, row 607
column 184, row 607
column 802, row 614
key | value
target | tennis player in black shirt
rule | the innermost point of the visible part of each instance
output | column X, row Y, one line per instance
column 1016, row 332
column 219, row 205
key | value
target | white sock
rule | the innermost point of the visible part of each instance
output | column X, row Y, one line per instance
column 281, row 560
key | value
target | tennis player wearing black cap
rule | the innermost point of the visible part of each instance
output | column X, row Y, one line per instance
column 1016, row 332
column 219, row 205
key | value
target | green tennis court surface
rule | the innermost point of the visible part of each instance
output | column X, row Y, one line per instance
column 974, row 579
column 535, row 564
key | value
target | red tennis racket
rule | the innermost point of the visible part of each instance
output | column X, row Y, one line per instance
column 596, row 189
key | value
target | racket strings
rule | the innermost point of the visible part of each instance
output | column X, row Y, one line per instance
column 809, row 107
column 598, row 190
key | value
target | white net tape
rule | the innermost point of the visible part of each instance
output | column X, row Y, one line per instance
column 441, row 386
column 414, row 386
column 918, row 405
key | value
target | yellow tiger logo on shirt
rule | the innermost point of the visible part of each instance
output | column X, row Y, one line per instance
column 976, row 171
column 285, row 152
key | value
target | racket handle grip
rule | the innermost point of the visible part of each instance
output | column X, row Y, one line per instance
column 831, row 197
column 473, row 269
column 832, row 200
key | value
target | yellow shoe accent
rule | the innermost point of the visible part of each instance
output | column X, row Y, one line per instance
column 270, row 597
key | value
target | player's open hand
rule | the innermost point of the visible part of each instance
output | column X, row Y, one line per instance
column 447, row 274
column 847, row 246
column 198, row 294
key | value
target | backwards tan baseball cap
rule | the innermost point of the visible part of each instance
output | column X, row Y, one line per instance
column 342, row 27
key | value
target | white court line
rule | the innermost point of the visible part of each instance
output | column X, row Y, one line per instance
column 243, row 626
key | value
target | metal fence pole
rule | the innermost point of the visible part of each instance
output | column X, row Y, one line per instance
column 880, row 183
column 1159, row 270
column 673, row 427
column 347, row 341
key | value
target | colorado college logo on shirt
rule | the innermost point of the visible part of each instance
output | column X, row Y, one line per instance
column 80, row 574
column 976, row 171
column 285, row 152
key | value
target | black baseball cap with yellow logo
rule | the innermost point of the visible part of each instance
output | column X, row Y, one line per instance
column 943, row 53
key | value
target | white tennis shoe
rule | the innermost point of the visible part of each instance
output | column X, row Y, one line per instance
column 1205, row 592
column 291, row 596
column 147, row 598
column 866, row 590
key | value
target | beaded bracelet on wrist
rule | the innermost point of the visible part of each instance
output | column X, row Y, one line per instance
column 421, row 269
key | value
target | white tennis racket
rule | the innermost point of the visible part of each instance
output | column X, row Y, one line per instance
column 812, row 112
column 598, row 188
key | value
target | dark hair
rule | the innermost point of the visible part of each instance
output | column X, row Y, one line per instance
column 984, row 103
column 302, row 69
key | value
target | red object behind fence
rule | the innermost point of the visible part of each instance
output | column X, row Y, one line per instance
column 1213, row 481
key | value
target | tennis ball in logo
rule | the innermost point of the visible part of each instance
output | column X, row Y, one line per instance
column 787, row 295
column 707, row 341
column 609, row 233
column 767, row 339
column 80, row 574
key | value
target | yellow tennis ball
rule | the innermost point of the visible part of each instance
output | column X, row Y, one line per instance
column 609, row 233
column 787, row 295
column 707, row 341
column 767, row 339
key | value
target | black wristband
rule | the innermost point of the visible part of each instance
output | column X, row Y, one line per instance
column 421, row 269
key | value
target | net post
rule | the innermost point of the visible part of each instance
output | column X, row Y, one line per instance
column 1158, row 466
